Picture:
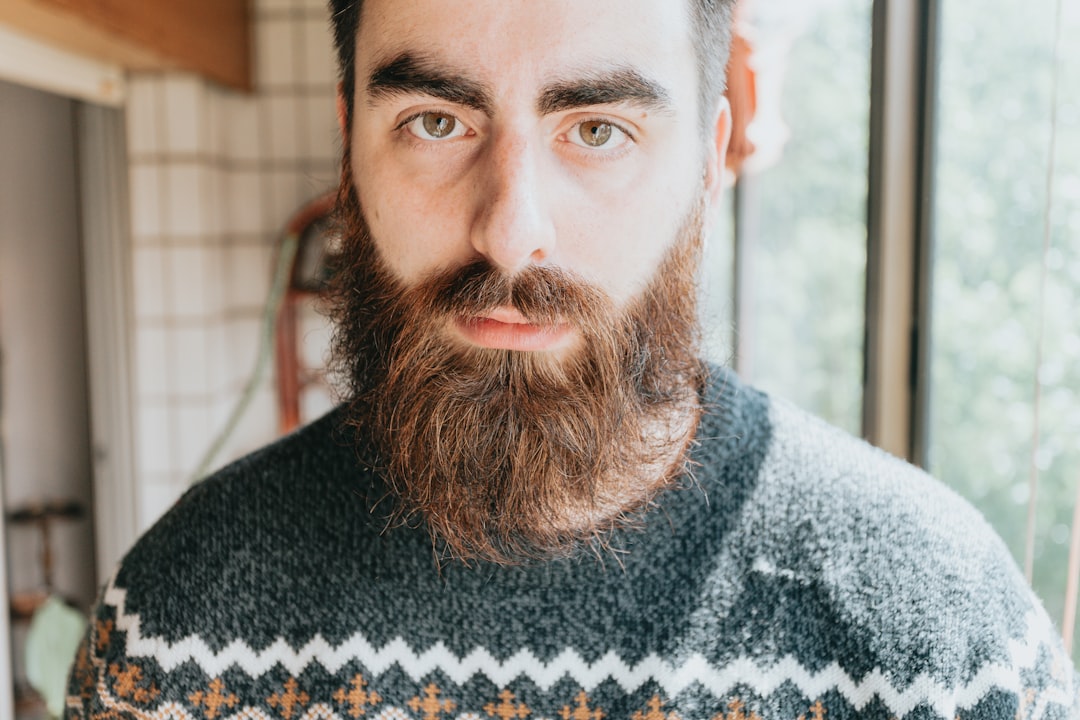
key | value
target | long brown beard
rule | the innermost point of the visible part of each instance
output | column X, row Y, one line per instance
column 510, row 456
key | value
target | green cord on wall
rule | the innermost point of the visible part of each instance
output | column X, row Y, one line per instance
column 286, row 255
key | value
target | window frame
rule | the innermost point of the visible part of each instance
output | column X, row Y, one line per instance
column 899, row 226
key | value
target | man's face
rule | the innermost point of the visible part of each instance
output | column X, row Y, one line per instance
column 522, row 211
column 527, row 133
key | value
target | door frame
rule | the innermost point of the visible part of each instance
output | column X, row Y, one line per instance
column 106, row 237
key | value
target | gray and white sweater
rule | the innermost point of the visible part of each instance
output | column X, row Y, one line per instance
column 805, row 575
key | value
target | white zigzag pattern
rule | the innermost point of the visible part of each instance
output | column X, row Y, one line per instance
column 673, row 679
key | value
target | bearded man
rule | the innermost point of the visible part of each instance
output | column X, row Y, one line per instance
column 536, row 501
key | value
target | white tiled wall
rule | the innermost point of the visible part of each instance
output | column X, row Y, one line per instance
column 214, row 176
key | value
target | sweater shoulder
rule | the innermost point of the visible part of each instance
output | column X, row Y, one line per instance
column 890, row 554
column 316, row 460
column 303, row 456
column 274, row 524
column 817, row 473
column 801, row 472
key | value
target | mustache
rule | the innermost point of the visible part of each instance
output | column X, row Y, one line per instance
column 542, row 294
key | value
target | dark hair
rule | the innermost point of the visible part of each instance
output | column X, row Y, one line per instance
column 712, row 41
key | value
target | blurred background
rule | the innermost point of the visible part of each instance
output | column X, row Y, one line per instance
column 901, row 255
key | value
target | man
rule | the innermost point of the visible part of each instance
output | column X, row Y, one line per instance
column 535, row 501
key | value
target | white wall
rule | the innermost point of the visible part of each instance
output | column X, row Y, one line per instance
column 214, row 177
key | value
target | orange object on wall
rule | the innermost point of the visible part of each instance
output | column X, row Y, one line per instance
column 307, row 280
column 742, row 95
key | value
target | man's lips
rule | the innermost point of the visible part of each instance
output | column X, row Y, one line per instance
column 507, row 329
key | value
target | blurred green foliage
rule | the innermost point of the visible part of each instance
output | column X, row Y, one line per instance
column 990, row 201
column 806, row 215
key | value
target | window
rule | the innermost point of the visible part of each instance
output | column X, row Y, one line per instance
column 801, row 207
column 992, row 306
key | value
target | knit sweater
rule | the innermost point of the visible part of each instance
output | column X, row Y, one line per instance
column 801, row 575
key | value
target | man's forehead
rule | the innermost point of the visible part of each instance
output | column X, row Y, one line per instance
column 522, row 42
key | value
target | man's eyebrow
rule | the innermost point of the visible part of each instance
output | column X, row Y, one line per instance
column 408, row 74
column 618, row 86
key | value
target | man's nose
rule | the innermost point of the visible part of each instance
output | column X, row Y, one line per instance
column 512, row 227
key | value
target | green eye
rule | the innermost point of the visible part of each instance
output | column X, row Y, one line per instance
column 439, row 126
column 595, row 133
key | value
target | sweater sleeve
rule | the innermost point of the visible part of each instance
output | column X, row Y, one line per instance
column 81, row 682
column 1048, row 681
column 104, row 683
column 1059, row 695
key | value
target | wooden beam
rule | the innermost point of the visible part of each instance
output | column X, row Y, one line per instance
column 210, row 37
column 31, row 62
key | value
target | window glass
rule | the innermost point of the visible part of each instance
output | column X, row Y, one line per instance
column 992, row 142
column 717, row 281
column 802, row 206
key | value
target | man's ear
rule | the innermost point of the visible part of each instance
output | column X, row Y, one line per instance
column 342, row 113
column 716, row 150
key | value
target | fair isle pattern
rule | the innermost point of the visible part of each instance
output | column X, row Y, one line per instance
column 123, row 702
column 319, row 711
column 297, row 704
column 175, row 711
column 1023, row 653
